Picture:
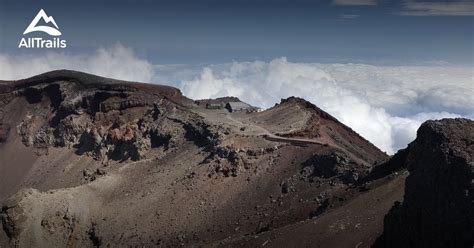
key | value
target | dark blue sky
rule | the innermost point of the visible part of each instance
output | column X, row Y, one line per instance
column 193, row 31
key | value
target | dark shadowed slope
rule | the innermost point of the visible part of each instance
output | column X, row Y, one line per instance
column 437, row 210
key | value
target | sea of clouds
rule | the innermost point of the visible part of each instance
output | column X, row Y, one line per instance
column 385, row 104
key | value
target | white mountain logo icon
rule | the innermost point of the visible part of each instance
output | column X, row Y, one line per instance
column 47, row 29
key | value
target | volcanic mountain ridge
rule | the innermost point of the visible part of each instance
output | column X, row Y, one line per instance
column 92, row 161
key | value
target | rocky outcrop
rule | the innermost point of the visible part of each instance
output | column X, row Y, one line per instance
column 437, row 210
column 335, row 165
column 103, row 124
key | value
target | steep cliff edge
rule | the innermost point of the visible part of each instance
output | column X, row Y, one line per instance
column 437, row 210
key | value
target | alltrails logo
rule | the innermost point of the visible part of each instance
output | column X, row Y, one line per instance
column 38, row 42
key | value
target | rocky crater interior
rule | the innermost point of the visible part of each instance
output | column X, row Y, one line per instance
column 91, row 161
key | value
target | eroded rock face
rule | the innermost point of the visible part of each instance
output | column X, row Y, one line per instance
column 437, row 210
column 117, row 123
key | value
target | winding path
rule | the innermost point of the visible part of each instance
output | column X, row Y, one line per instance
column 272, row 137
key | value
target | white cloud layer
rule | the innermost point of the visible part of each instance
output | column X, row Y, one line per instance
column 385, row 104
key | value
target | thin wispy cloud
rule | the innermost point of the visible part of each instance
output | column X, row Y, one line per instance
column 456, row 8
column 354, row 2
column 348, row 16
